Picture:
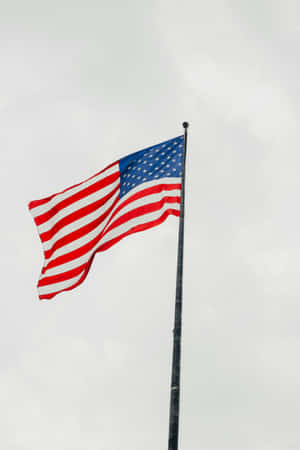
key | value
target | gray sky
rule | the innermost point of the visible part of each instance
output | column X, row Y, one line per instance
column 84, row 83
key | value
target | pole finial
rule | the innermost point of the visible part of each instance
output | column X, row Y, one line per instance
column 185, row 124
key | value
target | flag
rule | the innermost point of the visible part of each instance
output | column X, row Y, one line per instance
column 135, row 193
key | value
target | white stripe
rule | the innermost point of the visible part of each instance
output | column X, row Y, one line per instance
column 46, row 226
column 148, row 184
column 82, row 259
column 141, row 187
column 110, row 235
column 143, row 201
column 38, row 210
column 80, row 222
column 92, row 234
column 50, row 288
column 146, row 218
column 69, row 265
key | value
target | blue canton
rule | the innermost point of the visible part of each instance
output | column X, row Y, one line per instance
column 160, row 161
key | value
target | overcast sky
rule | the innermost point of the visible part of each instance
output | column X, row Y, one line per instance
column 83, row 83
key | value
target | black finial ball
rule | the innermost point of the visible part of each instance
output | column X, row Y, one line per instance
column 185, row 124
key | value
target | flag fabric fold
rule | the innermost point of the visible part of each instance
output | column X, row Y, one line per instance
column 133, row 194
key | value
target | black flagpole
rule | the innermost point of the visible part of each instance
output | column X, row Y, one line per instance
column 175, row 381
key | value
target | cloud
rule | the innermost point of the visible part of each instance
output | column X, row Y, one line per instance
column 82, row 85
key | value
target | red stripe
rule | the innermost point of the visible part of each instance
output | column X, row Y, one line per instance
column 79, row 232
column 148, row 191
column 36, row 203
column 109, row 244
column 78, row 214
column 75, row 197
column 87, row 247
column 61, row 276
column 140, row 211
column 140, row 227
column 143, row 193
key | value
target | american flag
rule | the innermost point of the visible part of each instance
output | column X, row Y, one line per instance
column 133, row 194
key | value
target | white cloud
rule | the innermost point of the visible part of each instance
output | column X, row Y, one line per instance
column 82, row 85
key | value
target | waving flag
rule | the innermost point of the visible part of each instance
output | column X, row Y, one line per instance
column 134, row 193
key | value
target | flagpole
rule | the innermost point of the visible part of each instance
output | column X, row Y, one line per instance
column 175, row 379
